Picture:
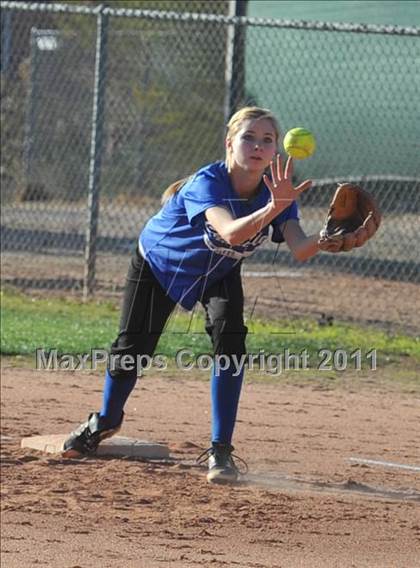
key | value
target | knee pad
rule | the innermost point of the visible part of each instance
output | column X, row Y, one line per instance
column 227, row 339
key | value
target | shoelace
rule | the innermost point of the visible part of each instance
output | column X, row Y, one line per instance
column 204, row 456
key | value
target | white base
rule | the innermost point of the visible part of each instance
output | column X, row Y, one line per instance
column 116, row 446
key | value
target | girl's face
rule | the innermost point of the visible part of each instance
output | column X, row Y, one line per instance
column 253, row 146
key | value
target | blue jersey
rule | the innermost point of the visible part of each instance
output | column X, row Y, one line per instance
column 185, row 253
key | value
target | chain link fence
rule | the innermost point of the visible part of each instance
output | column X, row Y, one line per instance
column 103, row 107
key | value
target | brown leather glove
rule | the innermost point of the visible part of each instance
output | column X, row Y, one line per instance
column 353, row 218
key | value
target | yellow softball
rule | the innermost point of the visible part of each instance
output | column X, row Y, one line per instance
column 299, row 143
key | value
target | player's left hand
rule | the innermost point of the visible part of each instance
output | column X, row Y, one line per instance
column 353, row 218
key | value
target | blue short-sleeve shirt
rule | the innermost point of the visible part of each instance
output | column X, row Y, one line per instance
column 185, row 253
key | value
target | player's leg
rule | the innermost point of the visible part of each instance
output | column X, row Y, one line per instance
column 224, row 304
column 145, row 310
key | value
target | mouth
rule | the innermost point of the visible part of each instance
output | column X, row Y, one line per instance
column 257, row 158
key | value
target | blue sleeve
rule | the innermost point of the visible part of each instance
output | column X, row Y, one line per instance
column 292, row 212
column 203, row 191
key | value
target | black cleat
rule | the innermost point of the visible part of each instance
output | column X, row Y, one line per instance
column 86, row 438
column 222, row 468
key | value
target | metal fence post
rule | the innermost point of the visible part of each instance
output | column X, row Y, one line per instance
column 235, row 60
column 6, row 42
column 32, row 98
column 96, row 152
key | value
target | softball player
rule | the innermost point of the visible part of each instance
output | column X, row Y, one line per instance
column 191, row 251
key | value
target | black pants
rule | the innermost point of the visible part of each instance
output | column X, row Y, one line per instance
column 147, row 307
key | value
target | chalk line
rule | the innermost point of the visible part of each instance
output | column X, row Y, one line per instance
column 384, row 464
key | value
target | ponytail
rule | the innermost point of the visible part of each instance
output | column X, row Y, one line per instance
column 172, row 189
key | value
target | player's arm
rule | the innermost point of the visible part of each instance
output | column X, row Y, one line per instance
column 301, row 246
column 237, row 231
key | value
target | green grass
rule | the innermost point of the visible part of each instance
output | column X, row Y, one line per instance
column 72, row 327
column 63, row 324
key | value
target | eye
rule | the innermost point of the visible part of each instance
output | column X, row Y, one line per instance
column 268, row 140
column 248, row 137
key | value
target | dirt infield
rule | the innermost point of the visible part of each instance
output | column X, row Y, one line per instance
column 388, row 305
column 303, row 504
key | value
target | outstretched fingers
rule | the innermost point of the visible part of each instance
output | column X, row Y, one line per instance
column 268, row 182
column 288, row 172
column 276, row 170
column 273, row 174
column 281, row 180
column 303, row 186
column 279, row 164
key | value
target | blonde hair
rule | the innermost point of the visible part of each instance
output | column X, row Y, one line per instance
column 172, row 189
column 233, row 127
column 248, row 113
